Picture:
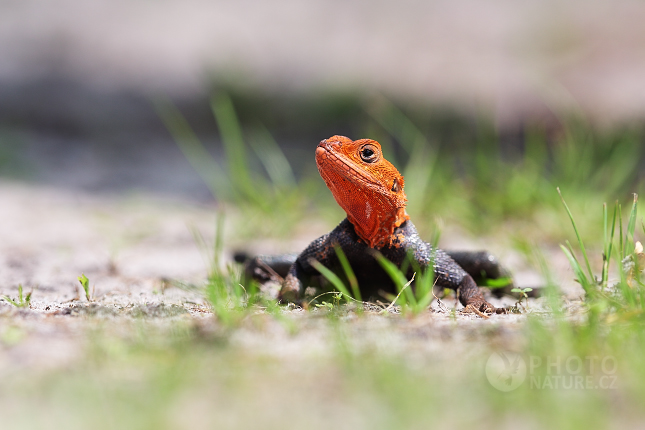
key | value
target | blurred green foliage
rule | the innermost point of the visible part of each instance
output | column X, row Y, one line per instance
column 456, row 167
column 197, row 372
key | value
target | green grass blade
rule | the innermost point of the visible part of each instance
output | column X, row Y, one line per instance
column 218, row 244
column 85, row 283
column 234, row 146
column 331, row 277
column 424, row 290
column 604, row 230
column 631, row 227
column 426, row 279
column 212, row 251
column 396, row 298
column 397, row 277
column 580, row 275
column 580, row 243
column 205, row 250
column 584, row 278
column 273, row 159
column 436, row 234
column 347, row 268
column 10, row 300
column 609, row 245
column 189, row 144
column 424, row 284
column 630, row 290
column 621, row 246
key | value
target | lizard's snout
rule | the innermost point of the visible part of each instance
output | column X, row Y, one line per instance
column 320, row 151
column 330, row 143
column 324, row 146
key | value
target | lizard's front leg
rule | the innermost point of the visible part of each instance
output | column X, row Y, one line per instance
column 470, row 295
column 293, row 288
column 302, row 270
column 449, row 274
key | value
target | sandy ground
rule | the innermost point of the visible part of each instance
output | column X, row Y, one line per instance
column 127, row 247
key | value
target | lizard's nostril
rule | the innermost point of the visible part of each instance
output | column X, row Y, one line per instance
column 330, row 144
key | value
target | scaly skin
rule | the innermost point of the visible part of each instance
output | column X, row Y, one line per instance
column 370, row 190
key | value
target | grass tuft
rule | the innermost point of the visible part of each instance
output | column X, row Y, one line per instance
column 228, row 298
column 626, row 295
column 22, row 301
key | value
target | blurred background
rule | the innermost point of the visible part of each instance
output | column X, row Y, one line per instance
column 128, row 126
column 514, row 98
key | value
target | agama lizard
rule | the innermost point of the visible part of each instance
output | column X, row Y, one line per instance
column 371, row 191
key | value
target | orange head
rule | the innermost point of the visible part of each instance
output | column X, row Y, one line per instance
column 365, row 185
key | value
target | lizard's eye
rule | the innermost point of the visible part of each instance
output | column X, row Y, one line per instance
column 369, row 153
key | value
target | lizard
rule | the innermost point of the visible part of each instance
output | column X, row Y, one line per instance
column 371, row 192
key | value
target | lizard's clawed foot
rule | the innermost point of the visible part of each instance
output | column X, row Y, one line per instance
column 288, row 296
column 482, row 308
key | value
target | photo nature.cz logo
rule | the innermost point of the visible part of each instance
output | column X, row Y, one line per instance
column 506, row 371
